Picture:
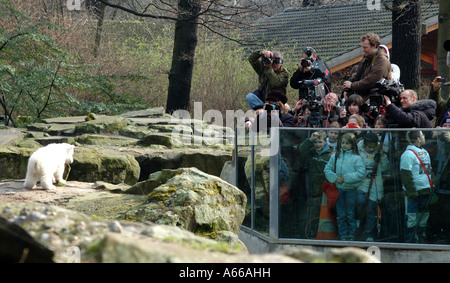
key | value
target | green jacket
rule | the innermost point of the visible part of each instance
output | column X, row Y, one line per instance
column 441, row 106
column 315, row 162
column 268, row 79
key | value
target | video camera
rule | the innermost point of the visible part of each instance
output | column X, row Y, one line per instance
column 314, row 91
column 384, row 87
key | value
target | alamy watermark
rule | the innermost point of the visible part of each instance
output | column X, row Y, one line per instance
column 374, row 4
column 208, row 128
column 73, row 5
column 73, row 254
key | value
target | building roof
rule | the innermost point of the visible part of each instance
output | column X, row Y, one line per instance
column 334, row 31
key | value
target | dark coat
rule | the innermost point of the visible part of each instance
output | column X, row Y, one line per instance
column 418, row 116
column 375, row 67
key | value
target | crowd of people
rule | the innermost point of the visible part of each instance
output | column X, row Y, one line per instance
column 356, row 162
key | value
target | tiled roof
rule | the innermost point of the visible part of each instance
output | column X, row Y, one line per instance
column 331, row 30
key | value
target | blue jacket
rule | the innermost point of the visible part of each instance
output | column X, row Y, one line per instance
column 350, row 165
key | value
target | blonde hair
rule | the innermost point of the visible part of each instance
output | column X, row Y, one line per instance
column 359, row 119
column 335, row 124
column 374, row 40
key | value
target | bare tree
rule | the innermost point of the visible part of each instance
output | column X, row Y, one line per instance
column 216, row 16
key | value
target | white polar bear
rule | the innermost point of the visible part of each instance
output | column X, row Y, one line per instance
column 47, row 165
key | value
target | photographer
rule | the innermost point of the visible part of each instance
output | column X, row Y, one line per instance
column 442, row 103
column 304, row 72
column 373, row 66
column 271, row 76
column 275, row 100
column 413, row 113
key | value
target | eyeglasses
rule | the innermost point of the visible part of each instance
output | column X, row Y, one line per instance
column 277, row 60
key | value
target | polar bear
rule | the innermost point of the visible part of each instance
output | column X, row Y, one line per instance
column 47, row 165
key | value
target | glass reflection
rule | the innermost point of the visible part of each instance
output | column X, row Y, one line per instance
column 364, row 185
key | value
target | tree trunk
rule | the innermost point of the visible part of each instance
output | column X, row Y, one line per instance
column 406, row 41
column 98, row 34
column 443, row 34
column 185, row 42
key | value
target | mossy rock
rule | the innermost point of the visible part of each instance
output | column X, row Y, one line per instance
column 193, row 200
column 103, row 164
column 14, row 161
column 102, row 125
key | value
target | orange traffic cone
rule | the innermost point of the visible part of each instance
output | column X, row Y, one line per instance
column 327, row 229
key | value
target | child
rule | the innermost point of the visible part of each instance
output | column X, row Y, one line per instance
column 371, row 189
column 417, row 184
column 352, row 106
column 333, row 135
column 315, row 153
column 346, row 169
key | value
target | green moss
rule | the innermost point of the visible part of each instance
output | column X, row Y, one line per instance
column 221, row 247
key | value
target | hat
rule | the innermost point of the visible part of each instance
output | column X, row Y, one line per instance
column 309, row 50
column 386, row 50
column 276, row 95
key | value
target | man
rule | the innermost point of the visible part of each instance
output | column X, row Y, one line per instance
column 417, row 178
column 413, row 113
column 373, row 67
column 332, row 107
column 304, row 72
column 442, row 103
column 271, row 76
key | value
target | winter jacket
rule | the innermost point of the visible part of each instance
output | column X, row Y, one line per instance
column 315, row 162
column 376, row 67
column 296, row 81
column 419, row 115
column 268, row 79
column 441, row 106
column 350, row 165
column 376, row 191
column 413, row 175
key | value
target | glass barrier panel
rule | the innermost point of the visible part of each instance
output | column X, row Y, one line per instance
column 253, row 179
column 389, row 185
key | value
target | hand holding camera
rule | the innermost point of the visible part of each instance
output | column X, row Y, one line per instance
column 305, row 64
column 437, row 82
column 267, row 58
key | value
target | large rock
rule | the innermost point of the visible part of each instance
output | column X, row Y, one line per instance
column 102, row 125
column 16, row 245
column 104, row 164
column 191, row 199
column 73, row 237
column 14, row 161
column 208, row 160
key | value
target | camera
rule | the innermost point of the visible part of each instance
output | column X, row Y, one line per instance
column 316, row 89
column 273, row 106
column 441, row 80
column 384, row 87
column 266, row 60
column 306, row 62
column 352, row 125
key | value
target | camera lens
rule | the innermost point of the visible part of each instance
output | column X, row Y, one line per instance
column 266, row 60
